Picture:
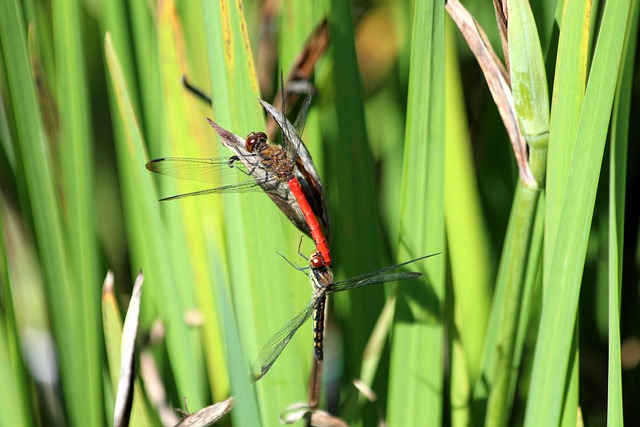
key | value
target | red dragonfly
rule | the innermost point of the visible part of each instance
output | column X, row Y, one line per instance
column 287, row 175
column 323, row 283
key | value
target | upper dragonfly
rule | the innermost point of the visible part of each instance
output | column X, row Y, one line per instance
column 287, row 174
column 323, row 284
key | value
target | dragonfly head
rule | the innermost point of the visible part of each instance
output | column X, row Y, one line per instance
column 316, row 260
column 255, row 141
column 321, row 275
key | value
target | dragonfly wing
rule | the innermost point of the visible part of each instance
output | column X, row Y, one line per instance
column 187, row 168
column 305, row 169
column 301, row 120
column 292, row 140
column 314, row 193
column 241, row 187
column 221, row 171
column 278, row 342
column 224, row 173
column 380, row 276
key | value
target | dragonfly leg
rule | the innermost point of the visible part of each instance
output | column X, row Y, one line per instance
column 256, row 166
column 299, row 247
column 233, row 159
column 293, row 264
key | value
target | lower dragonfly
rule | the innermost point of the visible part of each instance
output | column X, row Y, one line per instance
column 323, row 283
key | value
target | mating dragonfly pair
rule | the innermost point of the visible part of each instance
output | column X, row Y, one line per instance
column 287, row 175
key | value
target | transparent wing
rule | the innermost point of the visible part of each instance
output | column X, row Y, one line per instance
column 380, row 276
column 235, row 188
column 229, row 176
column 305, row 169
column 279, row 341
column 292, row 141
column 211, row 171
column 301, row 120
column 292, row 134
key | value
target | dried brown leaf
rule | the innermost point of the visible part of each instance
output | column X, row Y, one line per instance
column 498, row 82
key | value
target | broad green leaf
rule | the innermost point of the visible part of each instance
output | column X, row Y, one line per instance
column 149, row 243
column 76, row 163
column 565, row 274
column 415, row 382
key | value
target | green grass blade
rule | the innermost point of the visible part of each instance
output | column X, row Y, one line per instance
column 182, row 134
column 114, row 19
column 263, row 297
column 468, row 243
column 293, row 31
column 46, row 211
column 77, row 180
column 149, row 243
column 617, row 202
column 499, row 365
column 568, row 95
column 349, row 161
column 530, row 95
column 186, row 133
column 144, row 52
column 469, row 251
column 529, row 84
column 246, row 410
column 415, row 382
column 527, row 72
column 6, row 139
column 570, row 80
column 356, row 239
column 14, row 387
column 565, row 274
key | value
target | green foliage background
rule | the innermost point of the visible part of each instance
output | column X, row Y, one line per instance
column 519, row 321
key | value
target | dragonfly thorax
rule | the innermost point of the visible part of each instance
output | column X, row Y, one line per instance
column 321, row 275
column 272, row 156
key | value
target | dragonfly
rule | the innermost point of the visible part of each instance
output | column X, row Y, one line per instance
column 287, row 174
column 323, row 284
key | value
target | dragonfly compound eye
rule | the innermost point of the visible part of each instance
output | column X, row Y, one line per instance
column 316, row 260
column 253, row 139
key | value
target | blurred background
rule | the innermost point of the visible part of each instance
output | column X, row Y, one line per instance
column 412, row 163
